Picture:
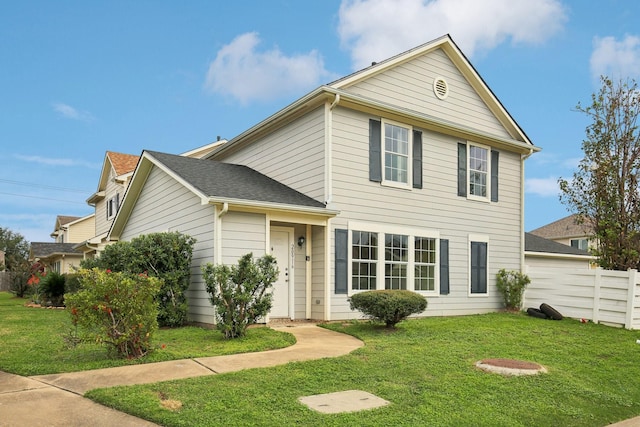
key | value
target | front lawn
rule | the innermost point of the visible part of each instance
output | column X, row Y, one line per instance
column 33, row 341
column 426, row 370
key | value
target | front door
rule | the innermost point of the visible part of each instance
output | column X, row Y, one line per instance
column 281, row 247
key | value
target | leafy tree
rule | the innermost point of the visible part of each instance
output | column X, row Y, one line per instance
column 163, row 255
column 16, row 249
column 604, row 190
column 240, row 293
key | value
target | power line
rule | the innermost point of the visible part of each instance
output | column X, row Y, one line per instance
column 48, row 187
column 43, row 198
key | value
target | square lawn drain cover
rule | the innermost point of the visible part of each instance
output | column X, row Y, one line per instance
column 343, row 401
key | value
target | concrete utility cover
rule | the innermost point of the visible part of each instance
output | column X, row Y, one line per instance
column 343, row 401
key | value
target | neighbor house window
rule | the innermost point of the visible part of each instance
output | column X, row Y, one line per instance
column 396, row 256
column 478, row 264
column 112, row 206
column 580, row 244
column 425, row 264
column 478, row 171
column 396, row 153
column 364, row 255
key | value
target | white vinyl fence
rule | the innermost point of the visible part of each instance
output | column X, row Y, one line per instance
column 602, row 296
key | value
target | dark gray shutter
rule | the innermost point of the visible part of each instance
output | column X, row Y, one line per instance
column 478, row 267
column 444, row 266
column 375, row 153
column 495, row 155
column 417, row 159
column 117, row 202
column 342, row 258
column 462, row 169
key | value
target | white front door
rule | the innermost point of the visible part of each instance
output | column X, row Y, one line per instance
column 281, row 249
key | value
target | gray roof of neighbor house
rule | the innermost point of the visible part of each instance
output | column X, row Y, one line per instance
column 226, row 180
column 533, row 243
column 563, row 228
column 45, row 249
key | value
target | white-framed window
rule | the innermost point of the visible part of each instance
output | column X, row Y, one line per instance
column 396, row 146
column 580, row 244
column 396, row 257
column 478, row 265
column 364, row 250
column 479, row 165
column 392, row 257
column 112, row 206
column 425, row 264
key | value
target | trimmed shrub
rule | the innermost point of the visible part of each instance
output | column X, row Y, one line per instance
column 119, row 310
column 240, row 293
column 163, row 255
column 52, row 288
column 511, row 284
column 388, row 305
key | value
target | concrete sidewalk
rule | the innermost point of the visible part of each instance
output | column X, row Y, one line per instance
column 56, row 400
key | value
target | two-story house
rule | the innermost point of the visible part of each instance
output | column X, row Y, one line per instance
column 405, row 175
column 117, row 170
column 61, row 255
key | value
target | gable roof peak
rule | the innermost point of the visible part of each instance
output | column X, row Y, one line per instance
column 122, row 163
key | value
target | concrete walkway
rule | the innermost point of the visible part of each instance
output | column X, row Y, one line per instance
column 56, row 400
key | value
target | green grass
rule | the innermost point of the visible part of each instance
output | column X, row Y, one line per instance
column 32, row 342
column 426, row 370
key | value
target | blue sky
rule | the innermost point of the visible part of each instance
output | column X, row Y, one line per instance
column 78, row 78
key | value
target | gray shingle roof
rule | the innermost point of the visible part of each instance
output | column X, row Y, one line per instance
column 226, row 180
column 533, row 243
column 563, row 228
column 45, row 249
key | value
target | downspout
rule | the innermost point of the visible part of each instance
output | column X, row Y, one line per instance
column 328, row 202
column 218, row 231
column 523, row 157
column 328, row 151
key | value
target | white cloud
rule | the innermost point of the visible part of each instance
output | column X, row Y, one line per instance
column 545, row 187
column 242, row 72
column 51, row 161
column 616, row 59
column 69, row 112
column 373, row 30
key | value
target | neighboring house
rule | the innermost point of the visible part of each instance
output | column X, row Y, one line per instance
column 405, row 175
column 568, row 232
column 62, row 256
column 117, row 170
column 545, row 253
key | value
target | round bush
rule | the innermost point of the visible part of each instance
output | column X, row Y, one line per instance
column 388, row 306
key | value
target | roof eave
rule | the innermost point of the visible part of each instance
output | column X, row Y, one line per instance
column 282, row 207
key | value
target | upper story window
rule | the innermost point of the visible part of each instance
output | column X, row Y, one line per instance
column 112, row 206
column 478, row 172
column 396, row 153
column 580, row 244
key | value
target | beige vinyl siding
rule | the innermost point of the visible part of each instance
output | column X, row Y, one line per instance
column 165, row 205
column 292, row 155
column 81, row 230
column 318, row 280
column 410, row 85
column 242, row 233
column 435, row 207
column 112, row 188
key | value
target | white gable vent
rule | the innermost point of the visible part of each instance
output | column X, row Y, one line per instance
column 440, row 88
